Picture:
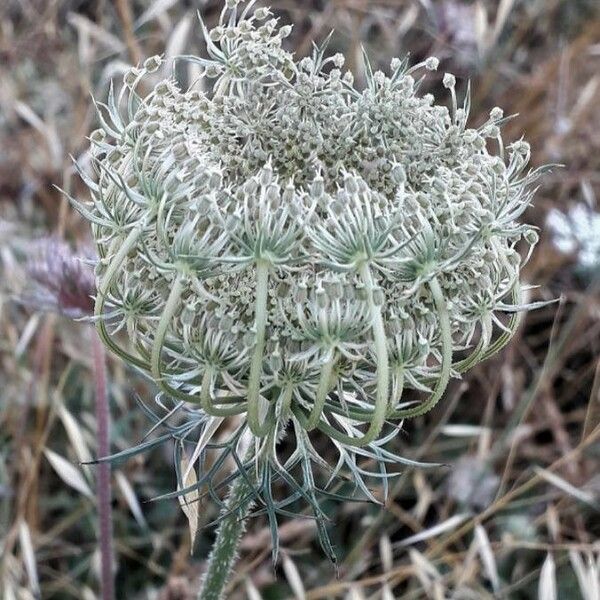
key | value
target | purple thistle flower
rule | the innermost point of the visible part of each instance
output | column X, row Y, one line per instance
column 59, row 279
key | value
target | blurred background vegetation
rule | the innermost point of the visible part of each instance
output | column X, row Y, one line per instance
column 516, row 512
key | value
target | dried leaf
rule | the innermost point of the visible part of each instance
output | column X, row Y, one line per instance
column 189, row 502
column 501, row 16
column 130, row 498
column 581, row 495
column 386, row 593
column 385, row 551
column 28, row 333
column 9, row 590
column 29, row 557
column 587, row 575
column 424, row 569
column 178, row 39
column 87, row 27
column 459, row 430
column 387, row 563
column 75, row 435
column 251, row 591
column 487, row 557
column 293, row 576
column 47, row 130
column 205, row 438
column 355, row 593
column 481, row 28
column 154, row 10
column 447, row 525
column 547, row 584
column 70, row 474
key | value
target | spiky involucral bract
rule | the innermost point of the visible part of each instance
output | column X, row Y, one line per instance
column 295, row 253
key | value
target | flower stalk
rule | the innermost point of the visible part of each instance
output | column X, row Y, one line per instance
column 103, row 480
column 229, row 533
column 256, row 366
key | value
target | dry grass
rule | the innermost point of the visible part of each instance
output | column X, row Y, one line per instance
column 516, row 513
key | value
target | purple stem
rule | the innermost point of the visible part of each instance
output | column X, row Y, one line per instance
column 103, row 490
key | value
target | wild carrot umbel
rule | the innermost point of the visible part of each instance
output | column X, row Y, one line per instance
column 293, row 254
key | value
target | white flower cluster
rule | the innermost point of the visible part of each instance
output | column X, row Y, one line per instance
column 297, row 252
column 287, row 246
column 577, row 232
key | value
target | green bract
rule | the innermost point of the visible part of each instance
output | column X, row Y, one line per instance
column 293, row 253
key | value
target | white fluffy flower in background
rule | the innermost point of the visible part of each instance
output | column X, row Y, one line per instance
column 577, row 231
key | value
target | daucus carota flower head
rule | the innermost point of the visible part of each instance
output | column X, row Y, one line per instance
column 294, row 253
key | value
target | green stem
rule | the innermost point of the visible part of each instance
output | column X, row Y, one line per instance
column 398, row 390
column 513, row 325
column 103, row 289
column 229, row 534
column 256, row 366
column 161, row 330
column 444, row 376
column 207, row 404
column 285, row 403
column 169, row 312
column 382, row 400
column 322, row 393
column 482, row 353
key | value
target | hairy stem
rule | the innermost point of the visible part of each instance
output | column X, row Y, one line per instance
column 103, row 480
column 229, row 534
